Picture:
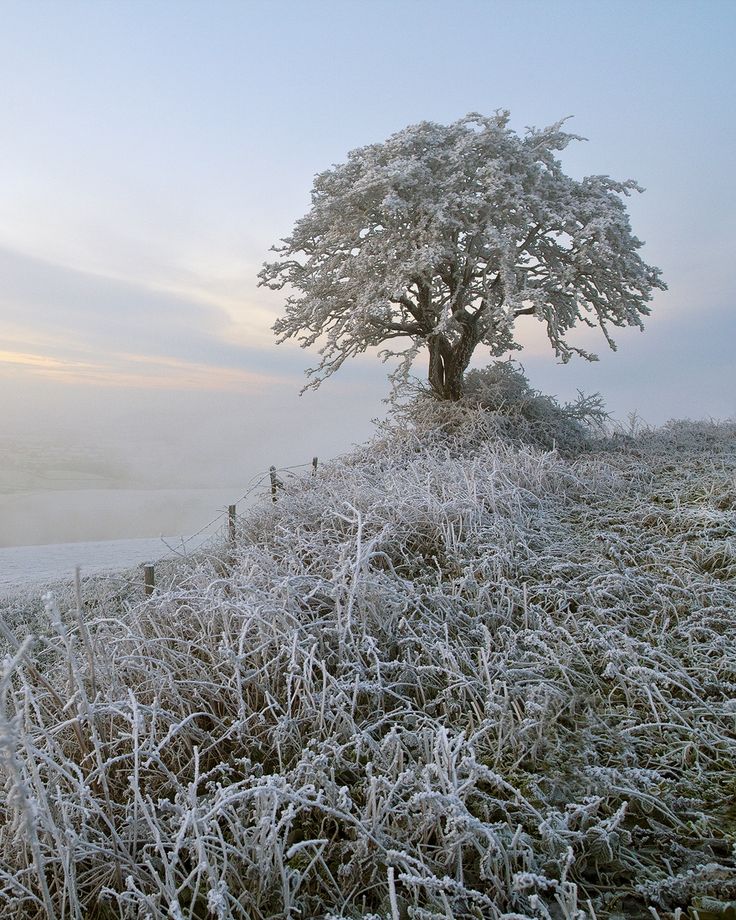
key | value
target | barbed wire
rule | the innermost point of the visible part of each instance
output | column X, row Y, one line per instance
column 254, row 483
column 259, row 478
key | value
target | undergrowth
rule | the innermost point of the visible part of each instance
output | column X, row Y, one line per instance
column 453, row 675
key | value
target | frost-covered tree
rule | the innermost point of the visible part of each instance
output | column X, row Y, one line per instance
column 443, row 236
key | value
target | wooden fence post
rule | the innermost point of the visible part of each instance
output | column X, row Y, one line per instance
column 149, row 579
column 231, row 523
column 274, row 483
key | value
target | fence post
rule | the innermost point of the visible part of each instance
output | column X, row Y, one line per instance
column 315, row 460
column 231, row 522
column 149, row 579
column 274, row 483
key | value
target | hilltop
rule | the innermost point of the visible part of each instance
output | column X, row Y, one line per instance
column 483, row 667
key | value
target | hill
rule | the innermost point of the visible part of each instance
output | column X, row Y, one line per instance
column 458, row 674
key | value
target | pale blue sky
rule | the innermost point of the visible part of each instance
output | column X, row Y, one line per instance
column 153, row 151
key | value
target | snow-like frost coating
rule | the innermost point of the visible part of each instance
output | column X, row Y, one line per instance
column 443, row 236
column 452, row 675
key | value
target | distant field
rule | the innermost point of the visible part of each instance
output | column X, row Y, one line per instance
column 64, row 516
column 54, row 494
column 46, row 466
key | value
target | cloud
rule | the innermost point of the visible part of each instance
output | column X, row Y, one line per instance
column 72, row 324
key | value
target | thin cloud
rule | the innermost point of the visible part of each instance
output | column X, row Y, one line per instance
column 134, row 371
column 78, row 325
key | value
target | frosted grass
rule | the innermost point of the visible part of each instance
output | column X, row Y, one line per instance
column 454, row 675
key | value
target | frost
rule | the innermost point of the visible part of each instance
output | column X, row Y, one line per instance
column 481, row 667
column 443, row 236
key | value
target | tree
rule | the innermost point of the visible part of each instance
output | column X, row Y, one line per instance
column 443, row 236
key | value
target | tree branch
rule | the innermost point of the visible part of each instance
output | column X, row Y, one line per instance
column 413, row 308
column 530, row 236
column 404, row 328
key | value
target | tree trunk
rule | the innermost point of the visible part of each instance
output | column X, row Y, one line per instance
column 448, row 363
column 437, row 345
column 454, row 384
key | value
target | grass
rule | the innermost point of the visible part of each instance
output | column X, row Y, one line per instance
column 453, row 675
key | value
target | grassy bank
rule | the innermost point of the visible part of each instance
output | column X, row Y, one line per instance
column 455, row 675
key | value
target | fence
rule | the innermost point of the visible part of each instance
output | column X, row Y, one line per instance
column 276, row 484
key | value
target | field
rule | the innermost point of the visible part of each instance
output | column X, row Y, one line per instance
column 53, row 492
column 482, row 668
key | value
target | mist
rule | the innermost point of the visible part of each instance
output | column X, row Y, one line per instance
column 81, row 464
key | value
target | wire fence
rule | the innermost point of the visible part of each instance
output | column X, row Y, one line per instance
column 22, row 606
column 256, row 481
column 187, row 545
column 141, row 576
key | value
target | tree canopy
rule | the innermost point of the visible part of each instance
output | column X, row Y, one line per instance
column 443, row 236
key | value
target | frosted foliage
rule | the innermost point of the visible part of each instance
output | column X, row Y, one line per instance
column 513, row 410
column 451, row 676
column 443, row 236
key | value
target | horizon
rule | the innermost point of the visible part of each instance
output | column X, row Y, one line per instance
column 154, row 153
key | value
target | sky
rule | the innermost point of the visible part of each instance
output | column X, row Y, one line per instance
column 153, row 151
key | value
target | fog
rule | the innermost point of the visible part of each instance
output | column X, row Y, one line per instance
column 79, row 463
column 149, row 161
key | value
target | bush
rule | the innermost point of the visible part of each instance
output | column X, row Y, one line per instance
column 510, row 410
